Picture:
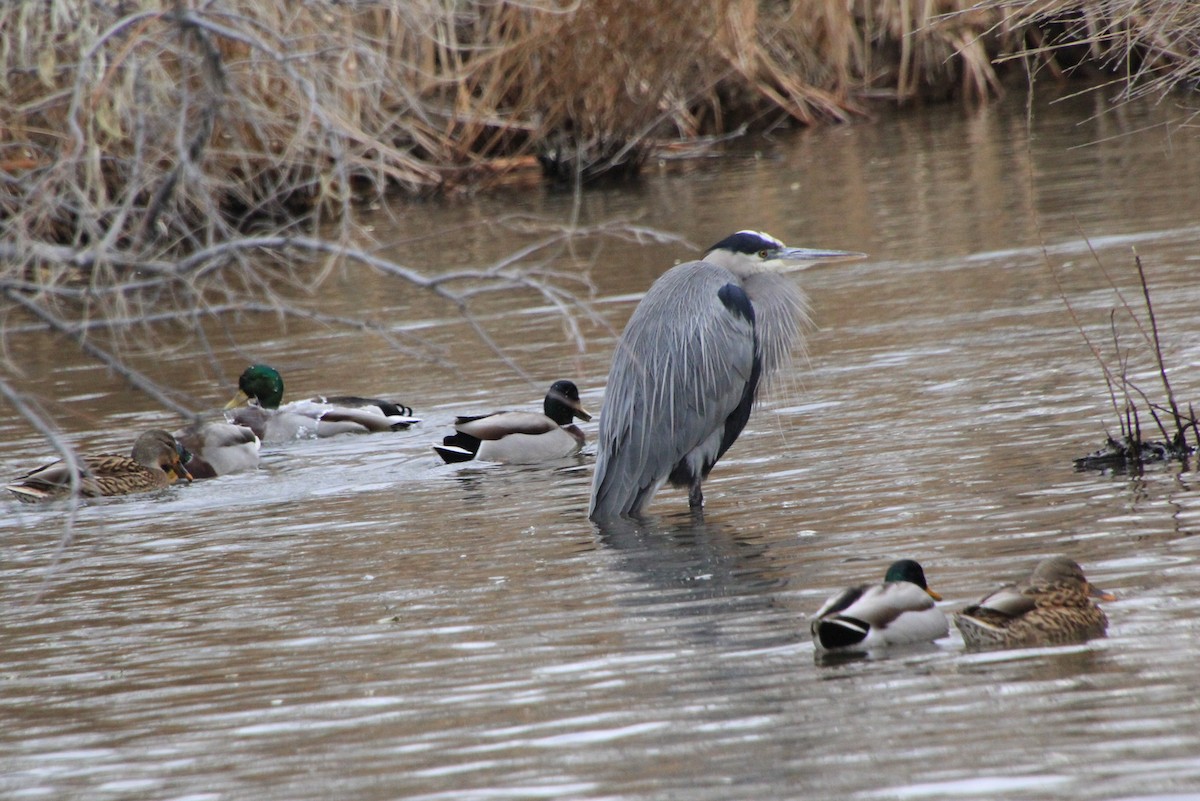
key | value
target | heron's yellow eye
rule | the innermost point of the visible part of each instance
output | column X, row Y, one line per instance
column 762, row 254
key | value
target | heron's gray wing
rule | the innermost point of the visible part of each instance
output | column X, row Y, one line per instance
column 680, row 369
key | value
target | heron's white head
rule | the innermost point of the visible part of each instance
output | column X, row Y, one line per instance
column 753, row 251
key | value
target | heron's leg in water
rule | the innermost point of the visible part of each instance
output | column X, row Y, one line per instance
column 695, row 495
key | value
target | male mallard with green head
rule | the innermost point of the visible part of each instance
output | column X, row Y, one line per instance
column 1054, row 606
column 156, row 461
column 899, row 611
column 259, row 406
column 521, row 437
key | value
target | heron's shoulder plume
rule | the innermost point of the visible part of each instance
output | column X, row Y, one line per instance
column 737, row 301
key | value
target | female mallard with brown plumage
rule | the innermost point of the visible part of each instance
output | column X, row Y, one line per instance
column 259, row 406
column 156, row 461
column 1054, row 606
column 900, row 610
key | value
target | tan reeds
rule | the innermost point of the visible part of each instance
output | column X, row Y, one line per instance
column 178, row 121
column 181, row 116
column 1150, row 47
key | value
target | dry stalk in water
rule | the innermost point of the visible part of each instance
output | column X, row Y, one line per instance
column 1131, row 450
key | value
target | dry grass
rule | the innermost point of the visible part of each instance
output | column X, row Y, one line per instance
column 172, row 124
column 1149, row 47
column 179, row 121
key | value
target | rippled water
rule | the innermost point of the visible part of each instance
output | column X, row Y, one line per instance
column 357, row 620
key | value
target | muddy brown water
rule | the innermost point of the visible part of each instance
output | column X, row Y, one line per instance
column 357, row 620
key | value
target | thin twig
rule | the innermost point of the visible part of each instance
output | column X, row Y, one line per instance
column 44, row 427
column 1162, row 368
column 1109, row 379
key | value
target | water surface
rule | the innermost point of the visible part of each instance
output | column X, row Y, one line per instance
column 357, row 620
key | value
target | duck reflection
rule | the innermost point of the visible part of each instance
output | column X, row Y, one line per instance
column 505, row 489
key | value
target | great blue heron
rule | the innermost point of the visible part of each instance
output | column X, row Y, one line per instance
column 687, row 370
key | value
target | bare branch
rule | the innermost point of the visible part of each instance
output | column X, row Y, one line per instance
column 1158, row 357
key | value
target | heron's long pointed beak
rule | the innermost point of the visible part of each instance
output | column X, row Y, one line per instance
column 790, row 260
column 812, row 255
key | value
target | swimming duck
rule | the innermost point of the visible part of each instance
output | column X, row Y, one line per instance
column 898, row 611
column 156, row 461
column 520, row 437
column 1054, row 606
column 260, row 387
column 218, row 448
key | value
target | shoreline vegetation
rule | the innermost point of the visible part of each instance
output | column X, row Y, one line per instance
column 169, row 162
